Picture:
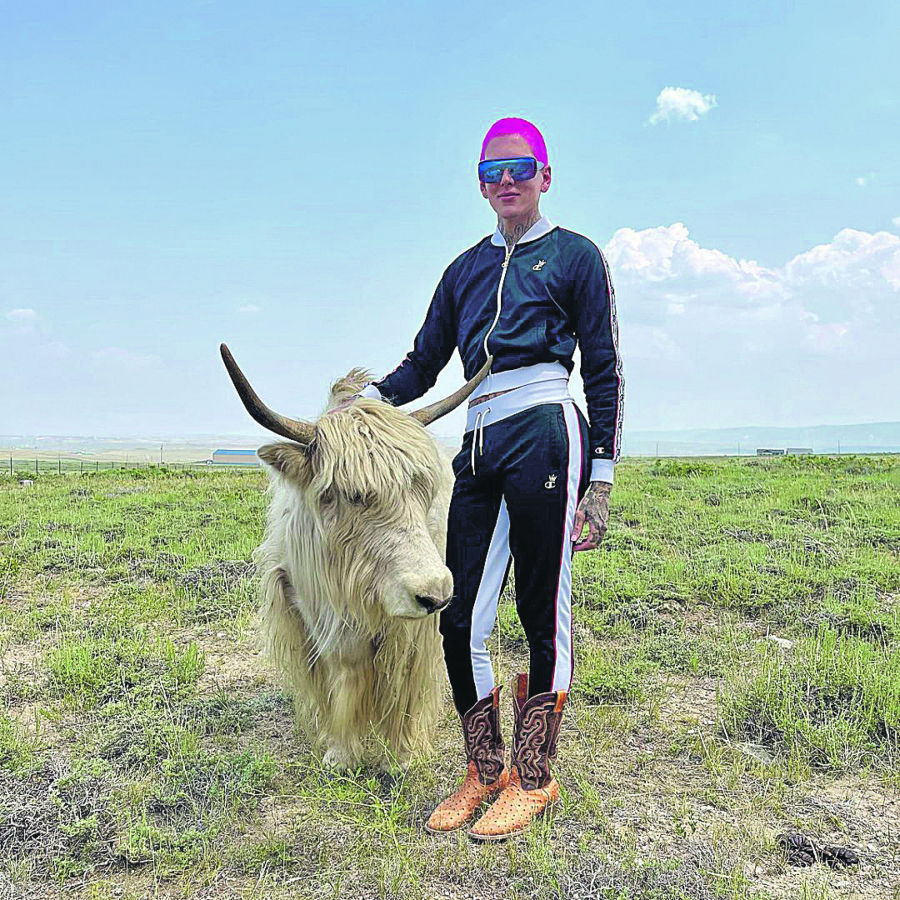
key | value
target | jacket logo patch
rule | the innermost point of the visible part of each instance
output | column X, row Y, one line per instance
column 539, row 265
column 550, row 483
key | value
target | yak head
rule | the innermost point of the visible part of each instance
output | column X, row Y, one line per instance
column 367, row 490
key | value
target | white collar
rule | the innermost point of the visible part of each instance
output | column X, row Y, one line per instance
column 538, row 230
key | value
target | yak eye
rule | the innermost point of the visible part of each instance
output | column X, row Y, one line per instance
column 358, row 499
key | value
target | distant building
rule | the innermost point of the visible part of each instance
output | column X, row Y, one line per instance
column 791, row 451
column 234, row 458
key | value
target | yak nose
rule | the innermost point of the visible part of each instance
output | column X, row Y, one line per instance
column 433, row 593
column 431, row 604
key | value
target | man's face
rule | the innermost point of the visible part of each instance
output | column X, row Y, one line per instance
column 509, row 198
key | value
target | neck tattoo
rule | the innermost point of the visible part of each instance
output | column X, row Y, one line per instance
column 511, row 234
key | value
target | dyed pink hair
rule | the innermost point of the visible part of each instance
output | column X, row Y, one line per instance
column 522, row 127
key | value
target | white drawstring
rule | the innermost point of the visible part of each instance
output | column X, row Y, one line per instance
column 478, row 418
column 478, row 436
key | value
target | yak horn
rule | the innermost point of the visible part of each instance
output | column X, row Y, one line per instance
column 429, row 414
column 294, row 429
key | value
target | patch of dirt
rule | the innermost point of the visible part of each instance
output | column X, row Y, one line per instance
column 226, row 659
column 160, row 566
column 56, row 814
column 688, row 700
column 17, row 660
column 29, row 717
column 225, row 574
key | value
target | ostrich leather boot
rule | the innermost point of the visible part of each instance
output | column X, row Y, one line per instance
column 531, row 788
column 486, row 774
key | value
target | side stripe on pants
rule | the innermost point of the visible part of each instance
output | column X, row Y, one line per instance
column 563, row 667
column 484, row 613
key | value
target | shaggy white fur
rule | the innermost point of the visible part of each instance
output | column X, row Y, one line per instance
column 356, row 530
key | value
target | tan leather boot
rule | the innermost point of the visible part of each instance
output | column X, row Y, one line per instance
column 486, row 774
column 531, row 788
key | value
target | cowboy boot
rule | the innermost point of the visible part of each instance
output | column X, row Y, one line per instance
column 531, row 787
column 486, row 774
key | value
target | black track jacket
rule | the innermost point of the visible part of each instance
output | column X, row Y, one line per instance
column 526, row 307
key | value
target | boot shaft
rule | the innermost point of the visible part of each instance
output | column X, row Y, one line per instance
column 536, row 734
column 483, row 738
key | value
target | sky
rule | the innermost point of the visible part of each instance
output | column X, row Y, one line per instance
column 293, row 179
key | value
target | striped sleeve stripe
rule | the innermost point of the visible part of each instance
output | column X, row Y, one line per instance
column 620, row 378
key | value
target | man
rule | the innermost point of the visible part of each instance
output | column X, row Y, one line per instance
column 530, row 475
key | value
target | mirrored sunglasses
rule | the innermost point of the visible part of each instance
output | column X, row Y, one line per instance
column 520, row 169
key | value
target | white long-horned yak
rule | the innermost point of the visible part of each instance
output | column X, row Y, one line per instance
column 352, row 569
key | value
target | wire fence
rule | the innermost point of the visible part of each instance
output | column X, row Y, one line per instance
column 22, row 467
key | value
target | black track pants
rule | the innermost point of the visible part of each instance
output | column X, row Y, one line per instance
column 518, row 506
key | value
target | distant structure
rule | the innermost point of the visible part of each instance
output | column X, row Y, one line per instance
column 790, row 451
column 234, row 458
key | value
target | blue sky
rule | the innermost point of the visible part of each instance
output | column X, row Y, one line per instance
column 293, row 179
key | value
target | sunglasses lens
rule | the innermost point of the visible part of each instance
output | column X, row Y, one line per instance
column 491, row 170
column 522, row 169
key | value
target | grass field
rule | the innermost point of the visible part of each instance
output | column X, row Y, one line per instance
column 737, row 675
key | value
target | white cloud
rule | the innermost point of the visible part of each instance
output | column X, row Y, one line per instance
column 21, row 315
column 685, row 272
column 681, row 104
column 125, row 360
column 863, row 180
column 249, row 309
column 896, row 221
column 708, row 338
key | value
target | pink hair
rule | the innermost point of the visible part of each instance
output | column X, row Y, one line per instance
column 524, row 129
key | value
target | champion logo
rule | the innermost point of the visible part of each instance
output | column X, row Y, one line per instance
column 550, row 483
column 539, row 265
column 598, row 451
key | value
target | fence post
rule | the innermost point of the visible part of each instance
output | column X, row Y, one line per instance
column 59, row 465
column 36, row 464
column 10, row 466
column 98, row 465
column 82, row 467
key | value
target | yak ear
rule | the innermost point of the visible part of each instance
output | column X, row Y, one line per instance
column 288, row 458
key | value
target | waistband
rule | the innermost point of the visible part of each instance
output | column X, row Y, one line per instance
column 518, row 378
column 551, row 390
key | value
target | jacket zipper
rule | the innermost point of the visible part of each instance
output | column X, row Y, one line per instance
column 509, row 252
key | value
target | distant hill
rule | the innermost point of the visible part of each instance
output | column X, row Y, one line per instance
column 874, row 437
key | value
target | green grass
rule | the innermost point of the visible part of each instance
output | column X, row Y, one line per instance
column 834, row 701
column 146, row 750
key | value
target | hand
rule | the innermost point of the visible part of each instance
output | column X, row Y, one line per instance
column 593, row 511
column 342, row 404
